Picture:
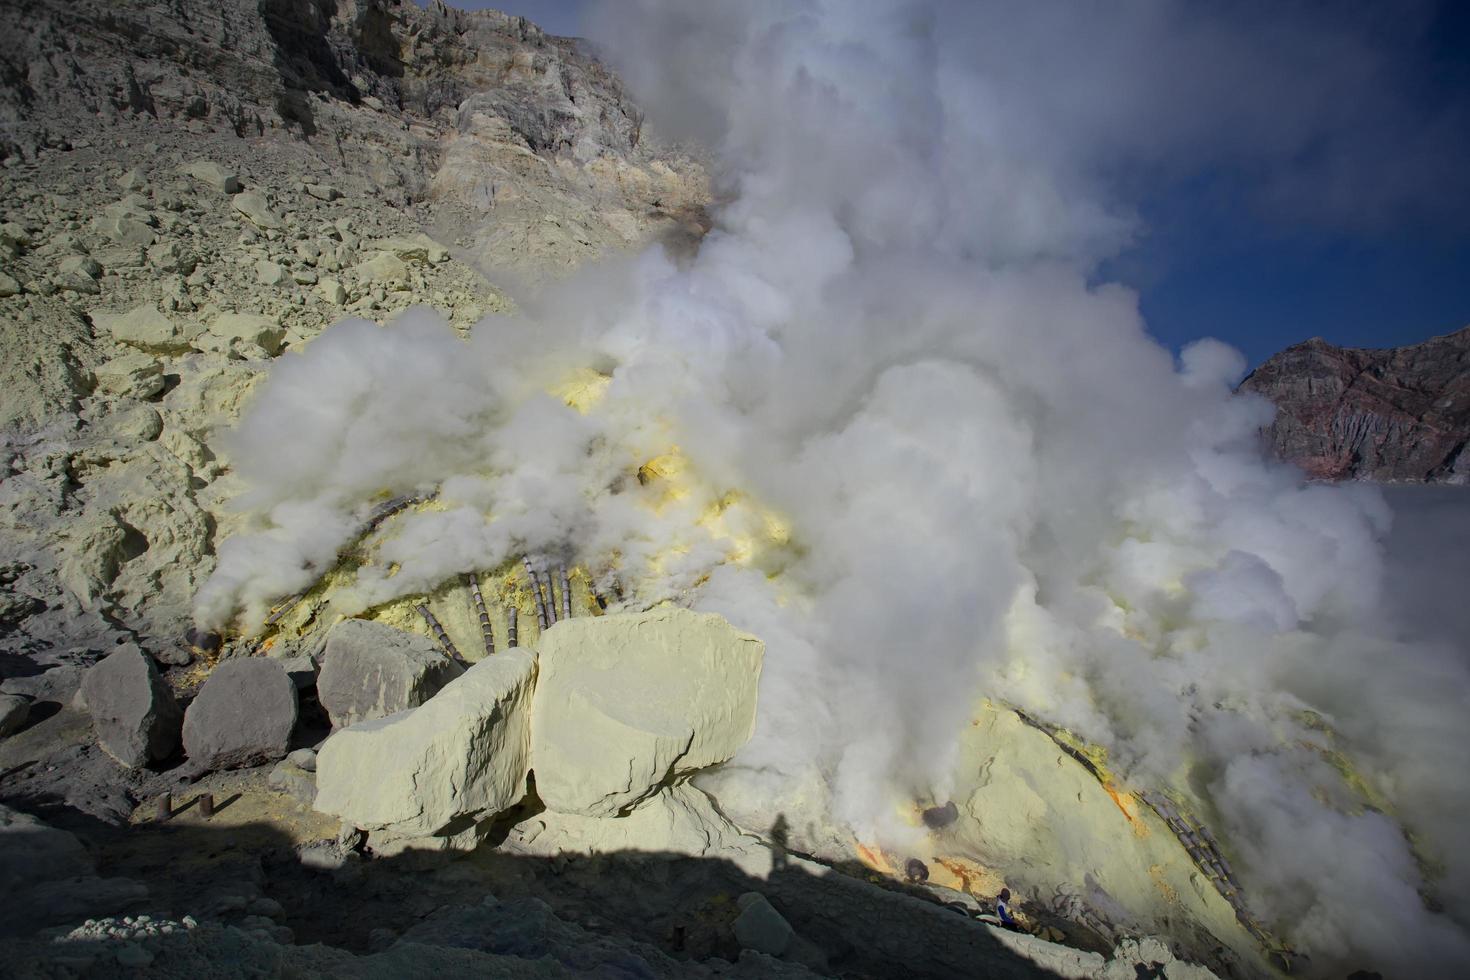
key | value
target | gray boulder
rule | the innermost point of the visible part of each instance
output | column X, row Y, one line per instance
column 207, row 173
column 133, row 711
column 302, row 671
column 243, row 716
column 760, row 927
column 372, row 671
column 14, row 710
column 294, row 780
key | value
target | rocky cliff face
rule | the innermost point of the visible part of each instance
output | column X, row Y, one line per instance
column 1398, row 415
column 190, row 189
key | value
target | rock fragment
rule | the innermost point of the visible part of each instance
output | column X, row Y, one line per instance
column 133, row 711
column 255, row 210
column 171, row 257
column 135, row 374
column 332, row 291
column 626, row 702
column 251, row 328
column 760, row 927
column 126, row 229
column 79, row 274
column 271, row 273
column 14, row 710
column 371, row 671
column 243, row 716
column 433, row 772
column 149, row 329
column 383, row 268
column 213, row 176
column 293, row 780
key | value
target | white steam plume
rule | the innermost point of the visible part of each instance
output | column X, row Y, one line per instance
column 995, row 482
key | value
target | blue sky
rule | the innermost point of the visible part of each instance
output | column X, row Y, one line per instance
column 1216, row 257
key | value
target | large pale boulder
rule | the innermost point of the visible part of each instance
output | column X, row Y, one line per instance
column 251, row 328
column 417, row 249
column 372, row 670
column 383, row 268
column 678, row 819
column 255, row 209
column 149, row 329
column 243, row 716
column 626, row 702
column 135, row 373
column 133, row 711
column 432, row 772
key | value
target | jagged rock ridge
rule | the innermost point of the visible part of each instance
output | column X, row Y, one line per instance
column 1395, row 415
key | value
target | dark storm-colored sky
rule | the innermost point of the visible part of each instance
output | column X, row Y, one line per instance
column 1213, row 260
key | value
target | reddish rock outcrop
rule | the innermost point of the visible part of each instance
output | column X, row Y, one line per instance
column 1396, row 415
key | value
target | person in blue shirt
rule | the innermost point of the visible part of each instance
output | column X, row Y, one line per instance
column 1003, row 910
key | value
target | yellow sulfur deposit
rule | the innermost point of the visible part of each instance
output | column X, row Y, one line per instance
column 583, row 389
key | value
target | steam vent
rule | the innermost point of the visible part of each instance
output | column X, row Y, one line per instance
column 719, row 496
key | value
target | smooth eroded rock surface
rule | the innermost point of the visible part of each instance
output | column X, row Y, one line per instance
column 625, row 702
column 433, row 771
column 372, row 670
column 243, row 716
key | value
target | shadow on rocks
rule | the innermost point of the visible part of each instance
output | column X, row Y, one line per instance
column 253, row 905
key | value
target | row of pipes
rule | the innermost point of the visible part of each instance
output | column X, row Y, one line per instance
column 1201, row 846
column 543, row 590
column 1204, row 851
column 544, row 595
column 374, row 521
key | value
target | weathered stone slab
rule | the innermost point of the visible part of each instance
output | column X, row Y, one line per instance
column 435, row 770
column 243, row 716
column 133, row 711
column 626, row 702
column 372, row 670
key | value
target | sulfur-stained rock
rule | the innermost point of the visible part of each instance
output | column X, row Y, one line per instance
column 371, row 670
column 135, row 373
column 332, row 291
column 432, row 772
column 417, row 249
column 678, row 819
column 243, row 716
column 148, row 329
column 625, row 702
column 271, row 273
column 383, row 268
column 133, row 711
column 252, row 328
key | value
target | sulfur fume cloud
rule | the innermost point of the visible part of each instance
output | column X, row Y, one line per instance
column 988, row 479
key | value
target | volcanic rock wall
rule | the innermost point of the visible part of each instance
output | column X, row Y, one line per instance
column 189, row 190
column 1397, row 415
